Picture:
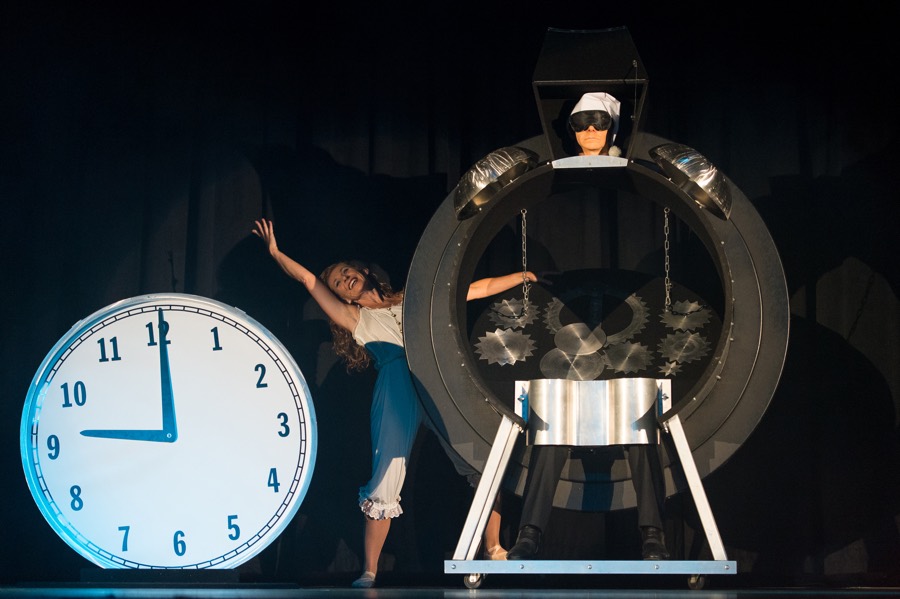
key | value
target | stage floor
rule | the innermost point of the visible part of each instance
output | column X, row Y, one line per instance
column 228, row 584
column 515, row 588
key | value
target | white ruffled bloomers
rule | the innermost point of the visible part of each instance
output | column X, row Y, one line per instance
column 377, row 510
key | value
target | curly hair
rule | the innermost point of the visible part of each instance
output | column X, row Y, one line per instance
column 354, row 355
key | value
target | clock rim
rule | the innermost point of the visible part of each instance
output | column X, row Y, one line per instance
column 82, row 326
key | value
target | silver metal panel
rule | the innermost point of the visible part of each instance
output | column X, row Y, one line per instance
column 590, row 162
column 591, row 413
column 590, row 567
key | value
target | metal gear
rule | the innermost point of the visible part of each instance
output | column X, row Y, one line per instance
column 512, row 314
column 557, row 364
column 578, row 339
column 551, row 315
column 505, row 346
column 639, row 316
column 686, row 316
column 684, row 346
column 670, row 369
column 639, row 319
column 627, row 357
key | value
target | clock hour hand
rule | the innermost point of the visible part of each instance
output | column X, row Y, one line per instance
column 162, row 436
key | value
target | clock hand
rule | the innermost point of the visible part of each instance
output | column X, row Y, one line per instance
column 132, row 435
column 165, row 375
column 169, row 432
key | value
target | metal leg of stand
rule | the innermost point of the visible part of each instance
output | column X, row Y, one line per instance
column 487, row 490
column 495, row 468
column 686, row 458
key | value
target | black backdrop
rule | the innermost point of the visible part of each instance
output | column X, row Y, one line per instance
column 139, row 141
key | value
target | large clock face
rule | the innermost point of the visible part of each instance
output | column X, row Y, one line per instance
column 168, row 431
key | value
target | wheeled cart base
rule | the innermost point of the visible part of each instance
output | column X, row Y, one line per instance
column 474, row 571
column 463, row 561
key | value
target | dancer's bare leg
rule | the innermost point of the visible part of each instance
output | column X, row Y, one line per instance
column 492, row 545
column 375, row 535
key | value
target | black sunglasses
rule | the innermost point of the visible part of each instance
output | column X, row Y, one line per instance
column 580, row 121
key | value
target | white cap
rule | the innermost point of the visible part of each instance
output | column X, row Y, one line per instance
column 600, row 101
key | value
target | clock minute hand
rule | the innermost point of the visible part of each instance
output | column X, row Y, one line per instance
column 165, row 376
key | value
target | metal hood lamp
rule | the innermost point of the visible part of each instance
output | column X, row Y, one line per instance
column 487, row 177
column 695, row 175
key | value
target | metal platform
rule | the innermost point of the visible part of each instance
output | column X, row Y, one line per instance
column 538, row 566
column 463, row 561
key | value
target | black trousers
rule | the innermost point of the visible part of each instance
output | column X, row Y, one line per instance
column 546, row 465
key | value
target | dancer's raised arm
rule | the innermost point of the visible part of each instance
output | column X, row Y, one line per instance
column 340, row 311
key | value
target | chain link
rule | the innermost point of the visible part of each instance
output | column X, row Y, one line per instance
column 634, row 65
column 526, row 284
column 668, row 281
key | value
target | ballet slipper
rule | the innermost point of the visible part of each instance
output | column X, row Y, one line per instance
column 367, row 580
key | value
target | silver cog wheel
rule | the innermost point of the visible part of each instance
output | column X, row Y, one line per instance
column 551, row 315
column 512, row 314
column 684, row 346
column 628, row 357
column 670, row 369
column 504, row 347
column 639, row 319
column 686, row 316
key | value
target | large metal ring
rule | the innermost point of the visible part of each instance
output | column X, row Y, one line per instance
column 720, row 410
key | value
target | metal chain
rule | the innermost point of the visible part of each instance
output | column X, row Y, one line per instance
column 634, row 65
column 526, row 284
column 668, row 281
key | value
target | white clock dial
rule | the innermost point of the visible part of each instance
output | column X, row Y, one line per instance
column 168, row 431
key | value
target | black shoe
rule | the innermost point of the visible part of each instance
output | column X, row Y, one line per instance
column 527, row 543
column 653, row 544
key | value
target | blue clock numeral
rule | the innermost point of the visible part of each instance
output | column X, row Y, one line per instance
column 235, row 533
column 163, row 329
column 178, row 543
column 53, row 446
column 285, row 429
column 79, row 391
column 262, row 374
column 273, row 479
column 77, row 502
column 215, row 332
column 125, row 530
column 114, row 342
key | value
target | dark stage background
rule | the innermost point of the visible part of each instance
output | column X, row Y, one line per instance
column 140, row 140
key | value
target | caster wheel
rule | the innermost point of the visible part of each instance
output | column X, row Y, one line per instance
column 473, row 581
column 696, row 582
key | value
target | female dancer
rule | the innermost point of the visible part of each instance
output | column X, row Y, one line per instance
column 365, row 315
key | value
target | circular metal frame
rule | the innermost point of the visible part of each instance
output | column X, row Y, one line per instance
column 720, row 410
